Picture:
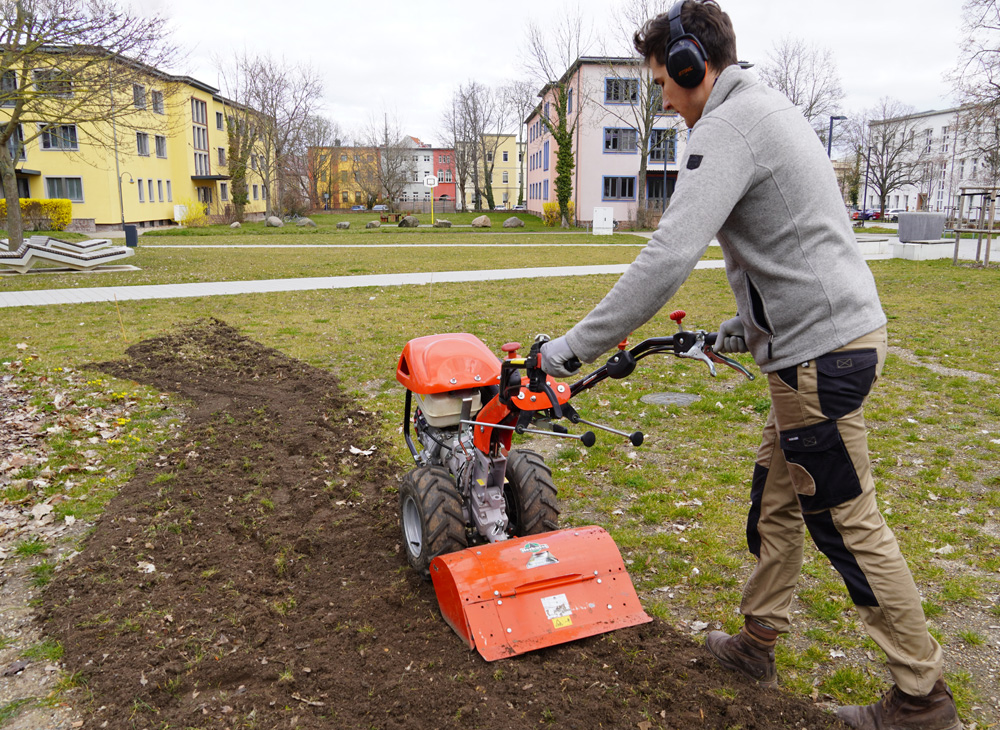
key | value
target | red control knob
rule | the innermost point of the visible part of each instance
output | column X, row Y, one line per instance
column 678, row 315
column 511, row 349
column 623, row 344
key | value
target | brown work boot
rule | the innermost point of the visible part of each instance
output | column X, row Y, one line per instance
column 750, row 652
column 899, row 711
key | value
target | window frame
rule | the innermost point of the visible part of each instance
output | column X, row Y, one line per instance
column 618, row 136
column 622, row 194
column 45, row 140
column 64, row 178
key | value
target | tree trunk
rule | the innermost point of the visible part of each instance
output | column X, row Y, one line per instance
column 15, row 226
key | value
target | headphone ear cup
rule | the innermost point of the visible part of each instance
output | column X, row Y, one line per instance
column 686, row 63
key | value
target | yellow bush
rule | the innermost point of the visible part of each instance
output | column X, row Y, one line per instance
column 56, row 213
column 551, row 217
column 195, row 213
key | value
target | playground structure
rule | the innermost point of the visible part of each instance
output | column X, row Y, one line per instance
column 75, row 256
column 983, row 228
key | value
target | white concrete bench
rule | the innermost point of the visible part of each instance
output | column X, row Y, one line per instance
column 82, row 256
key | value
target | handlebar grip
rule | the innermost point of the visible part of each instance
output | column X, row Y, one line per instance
column 573, row 364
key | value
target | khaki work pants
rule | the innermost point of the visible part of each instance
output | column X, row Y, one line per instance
column 813, row 471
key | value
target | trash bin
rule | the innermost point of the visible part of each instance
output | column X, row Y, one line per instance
column 131, row 236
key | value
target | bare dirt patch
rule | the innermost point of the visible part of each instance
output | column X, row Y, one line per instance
column 250, row 576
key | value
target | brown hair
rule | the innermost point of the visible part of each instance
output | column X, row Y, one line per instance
column 703, row 19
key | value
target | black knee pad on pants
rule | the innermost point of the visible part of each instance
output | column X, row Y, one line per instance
column 820, row 466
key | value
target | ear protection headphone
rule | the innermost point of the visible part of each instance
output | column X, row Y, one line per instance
column 685, row 57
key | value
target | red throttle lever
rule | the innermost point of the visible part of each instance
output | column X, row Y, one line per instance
column 511, row 349
column 678, row 316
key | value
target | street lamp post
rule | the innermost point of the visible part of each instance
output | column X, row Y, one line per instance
column 121, row 202
column 829, row 137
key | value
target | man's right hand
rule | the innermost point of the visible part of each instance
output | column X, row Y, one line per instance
column 558, row 359
column 731, row 337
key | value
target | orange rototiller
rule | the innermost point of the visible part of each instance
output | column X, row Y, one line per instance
column 480, row 517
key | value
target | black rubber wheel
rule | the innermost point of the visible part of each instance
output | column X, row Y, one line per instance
column 530, row 495
column 430, row 516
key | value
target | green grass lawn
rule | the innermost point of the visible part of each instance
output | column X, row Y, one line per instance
column 676, row 506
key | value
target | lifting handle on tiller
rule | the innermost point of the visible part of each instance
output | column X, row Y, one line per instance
column 546, row 584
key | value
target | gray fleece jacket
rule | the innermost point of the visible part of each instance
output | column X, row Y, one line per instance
column 756, row 177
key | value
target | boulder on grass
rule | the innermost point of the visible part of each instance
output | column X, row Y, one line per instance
column 373, row 224
column 513, row 222
column 442, row 223
column 274, row 222
column 305, row 223
column 409, row 221
column 235, row 224
column 482, row 221
column 342, row 225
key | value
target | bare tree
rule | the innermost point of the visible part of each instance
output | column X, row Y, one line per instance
column 456, row 134
column 549, row 56
column 391, row 167
column 977, row 82
column 284, row 97
column 807, row 75
column 65, row 63
column 519, row 99
column 885, row 137
column 320, row 138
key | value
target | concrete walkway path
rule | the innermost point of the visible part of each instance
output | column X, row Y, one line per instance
column 221, row 288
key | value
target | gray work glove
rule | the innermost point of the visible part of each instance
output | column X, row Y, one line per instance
column 558, row 359
column 731, row 337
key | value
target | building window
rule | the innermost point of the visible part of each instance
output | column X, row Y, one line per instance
column 142, row 191
column 161, row 146
column 222, row 155
column 447, row 176
column 256, row 193
column 506, row 177
column 157, row 99
column 253, row 162
column 619, row 188
column 621, row 91
column 343, row 158
column 505, row 156
column 489, row 157
column 345, row 197
column 65, row 187
column 139, row 96
column 263, row 192
column 48, row 81
column 170, row 193
column 569, row 102
column 159, row 190
column 59, row 137
column 663, row 145
column 200, row 137
column 545, row 189
column 224, row 191
column 618, row 139
column 150, row 184
column 357, row 196
column 142, row 144
column 427, row 158
column 545, row 155
column 15, row 145
column 944, row 139
column 199, row 111
column 201, row 166
column 219, row 123
column 8, row 89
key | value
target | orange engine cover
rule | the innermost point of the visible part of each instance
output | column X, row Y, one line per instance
column 514, row 596
column 441, row 363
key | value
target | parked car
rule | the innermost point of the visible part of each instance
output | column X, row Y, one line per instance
column 355, row 208
column 893, row 215
column 499, row 207
column 520, row 207
column 380, row 208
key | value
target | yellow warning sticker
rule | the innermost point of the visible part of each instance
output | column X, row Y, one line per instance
column 562, row 622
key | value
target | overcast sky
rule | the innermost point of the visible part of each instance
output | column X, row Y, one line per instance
column 407, row 58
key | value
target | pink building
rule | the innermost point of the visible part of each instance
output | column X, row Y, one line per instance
column 604, row 105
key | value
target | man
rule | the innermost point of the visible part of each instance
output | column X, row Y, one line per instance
column 756, row 177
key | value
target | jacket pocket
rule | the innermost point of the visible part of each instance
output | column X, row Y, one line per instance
column 844, row 380
column 820, row 466
column 758, row 313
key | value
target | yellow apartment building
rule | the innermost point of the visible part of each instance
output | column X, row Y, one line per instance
column 506, row 156
column 171, row 148
column 342, row 177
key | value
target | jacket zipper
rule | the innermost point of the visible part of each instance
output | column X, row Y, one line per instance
column 758, row 314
